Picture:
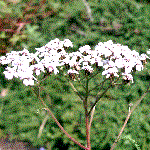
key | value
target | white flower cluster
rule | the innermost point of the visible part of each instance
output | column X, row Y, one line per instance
column 114, row 58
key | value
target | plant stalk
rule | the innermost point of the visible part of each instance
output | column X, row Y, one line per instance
column 85, row 102
column 137, row 103
column 57, row 122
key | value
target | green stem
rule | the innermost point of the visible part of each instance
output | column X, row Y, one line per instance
column 97, row 86
column 81, row 84
column 99, row 97
column 75, row 90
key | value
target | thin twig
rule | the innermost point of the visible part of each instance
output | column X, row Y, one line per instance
column 97, row 86
column 92, row 76
column 88, row 10
column 137, row 103
column 99, row 97
column 92, row 114
column 81, row 84
column 75, row 90
column 42, row 126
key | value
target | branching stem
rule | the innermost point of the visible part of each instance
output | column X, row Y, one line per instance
column 46, row 108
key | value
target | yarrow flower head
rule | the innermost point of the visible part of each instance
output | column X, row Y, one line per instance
column 116, row 60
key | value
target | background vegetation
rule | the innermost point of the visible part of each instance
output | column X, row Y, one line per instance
column 33, row 23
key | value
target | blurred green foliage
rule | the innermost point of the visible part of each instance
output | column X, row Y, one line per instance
column 31, row 24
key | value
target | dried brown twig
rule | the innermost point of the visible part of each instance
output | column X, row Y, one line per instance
column 129, row 114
